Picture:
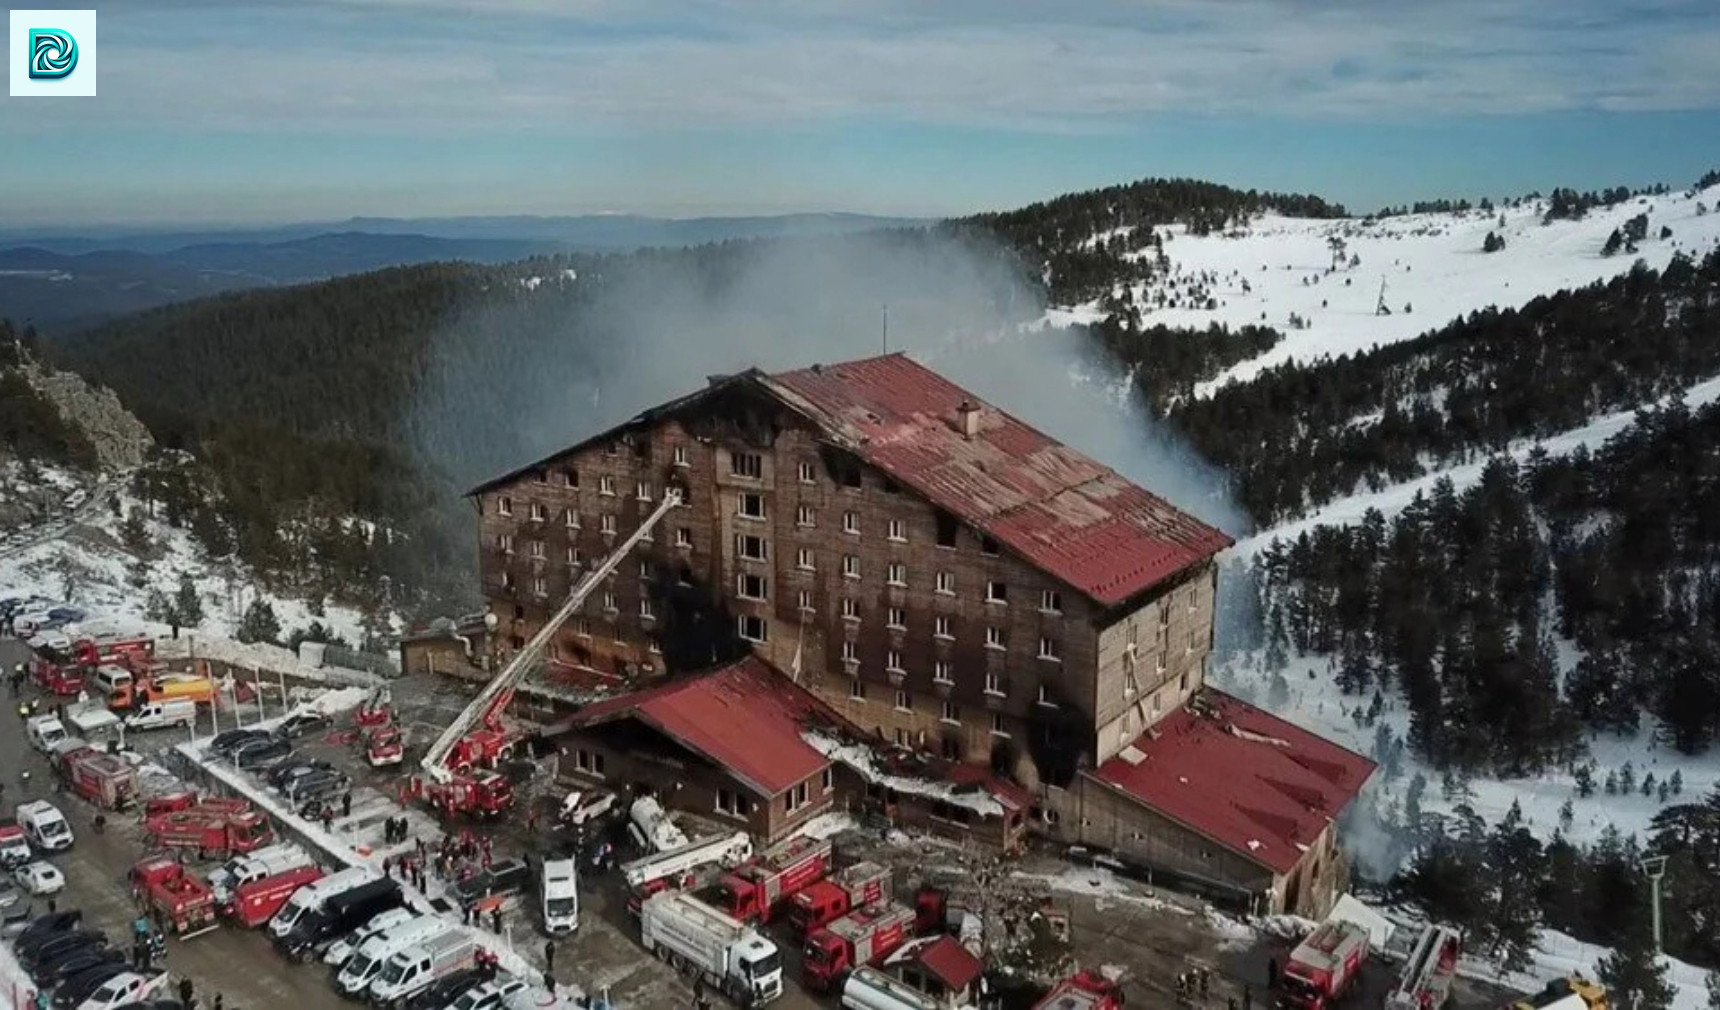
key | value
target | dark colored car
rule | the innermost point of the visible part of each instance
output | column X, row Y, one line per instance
column 226, row 744
column 286, row 771
column 445, row 991
column 303, row 724
column 45, row 926
column 503, row 879
column 341, row 914
column 153, row 1004
column 53, row 945
column 67, row 614
column 262, row 753
column 315, row 784
column 79, row 962
column 80, row 987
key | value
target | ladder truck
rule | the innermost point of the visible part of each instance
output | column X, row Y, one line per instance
column 1426, row 980
column 677, row 869
column 458, row 776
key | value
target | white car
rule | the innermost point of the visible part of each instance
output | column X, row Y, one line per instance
column 581, row 806
column 124, row 990
column 41, row 879
column 8, row 894
column 58, row 641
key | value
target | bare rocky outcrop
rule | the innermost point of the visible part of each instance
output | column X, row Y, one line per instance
column 121, row 441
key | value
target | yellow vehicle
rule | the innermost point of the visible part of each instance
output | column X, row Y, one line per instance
column 165, row 687
column 1573, row 993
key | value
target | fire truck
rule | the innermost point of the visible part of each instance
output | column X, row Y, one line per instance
column 864, row 937
column 1084, row 990
column 756, row 890
column 677, row 868
column 453, row 781
column 104, row 779
column 1323, row 967
column 827, row 900
column 256, row 901
column 186, row 902
column 1425, row 983
column 57, row 673
column 214, row 828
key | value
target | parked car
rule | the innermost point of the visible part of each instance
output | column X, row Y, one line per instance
column 78, row 988
column 44, row 928
column 54, row 944
column 303, row 724
column 127, row 990
column 8, row 893
column 262, row 753
column 446, row 991
column 40, row 879
column 504, row 879
column 286, row 771
column 50, row 639
column 67, row 614
column 582, row 806
column 226, row 743
column 80, row 962
column 489, row 996
column 315, row 784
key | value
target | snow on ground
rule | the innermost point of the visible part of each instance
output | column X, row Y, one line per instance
column 1431, row 263
column 1558, row 956
column 90, row 568
column 1391, row 500
column 1098, row 882
column 861, row 759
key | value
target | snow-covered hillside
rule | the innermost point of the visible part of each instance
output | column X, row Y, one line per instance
column 1432, row 266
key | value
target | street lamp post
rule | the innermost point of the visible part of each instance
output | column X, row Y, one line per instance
column 1655, row 868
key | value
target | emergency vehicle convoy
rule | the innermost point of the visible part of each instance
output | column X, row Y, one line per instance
column 863, row 937
column 760, row 888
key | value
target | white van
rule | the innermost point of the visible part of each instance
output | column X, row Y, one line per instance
column 366, row 963
column 265, row 862
column 310, row 897
column 95, row 724
column 163, row 714
column 46, row 828
column 110, row 678
column 44, row 732
column 560, row 896
column 381, row 922
column 414, row 969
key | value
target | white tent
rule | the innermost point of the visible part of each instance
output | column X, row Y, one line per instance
column 1348, row 909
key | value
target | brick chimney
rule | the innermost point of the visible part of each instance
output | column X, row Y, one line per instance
column 967, row 418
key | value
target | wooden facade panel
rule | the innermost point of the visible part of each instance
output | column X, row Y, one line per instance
column 1153, row 659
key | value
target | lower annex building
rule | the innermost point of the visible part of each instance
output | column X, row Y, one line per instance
column 919, row 570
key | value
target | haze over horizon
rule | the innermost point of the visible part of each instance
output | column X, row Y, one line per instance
column 256, row 113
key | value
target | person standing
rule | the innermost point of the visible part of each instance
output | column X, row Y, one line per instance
column 346, row 803
column 549, row 954
column 186, row 991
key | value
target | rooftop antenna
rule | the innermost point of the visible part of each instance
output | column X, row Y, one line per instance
column 886, row 328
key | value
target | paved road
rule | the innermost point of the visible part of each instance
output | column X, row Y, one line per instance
column 54, row 528
column 238, row 964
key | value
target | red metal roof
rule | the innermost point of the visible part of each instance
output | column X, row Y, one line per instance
column 1243, row 777
column 745, row 717
column 1079, row 521
column 945, row 959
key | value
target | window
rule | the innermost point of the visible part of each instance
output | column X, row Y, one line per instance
column 588, row 761
column 850, row 566
column 537, row 548
column 746, row 464
column 851, row 522
column 941, row 627
column 988, row 547
column 943, row 672
column 994, row 638
column 850, row 609
column 751, row 628
column 795, row 799
column 574, row 557
column 803, row 559
column 806, row 516
column 994, row 684
column 857, row 689
column 1045, row 697
column 751, row 505
column 1164, row 615
column 505, row 543
column 540, row 587
column 606, row 486
column 1193, row 600
column 951, row 713
column 947, row 583
column 898, row 618
column 1050, row 648
column 829, row 779
column 896, row 574
column 1051, row 601
column 898, row 530
column 1193, row 636
column 539, row 513
column 642, row 490
column 609, row 602
column 893, row 661
column 997, row 725
column 646, row 571
column 570, row 477
column 1182, row 682
column 850, row 652
column 581, row 628
column 681, row 456
column 850, row 475
column 807, row 472
column 901, row 737
column 504, row 506
column 1155, row 703
column 540, row 477
column 683, row 536
column 612, row 449
column 947, row 527
column 904, row 702
column 751, row 548
column 606, row 524
column 731, row 802
column 570, row 519
column 645, row 607
column 997, row 592
column 508, row 583
column 803, row 600
column 751, row 587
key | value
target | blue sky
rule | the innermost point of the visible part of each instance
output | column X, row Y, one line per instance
column 249, row 112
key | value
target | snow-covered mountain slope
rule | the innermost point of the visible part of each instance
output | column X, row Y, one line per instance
column 1432, row 266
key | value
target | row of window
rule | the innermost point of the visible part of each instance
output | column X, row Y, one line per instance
column 948, row 712
column 1050, row 649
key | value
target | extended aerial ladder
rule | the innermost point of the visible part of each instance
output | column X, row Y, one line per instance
column 478, row 736
column 1425, row 982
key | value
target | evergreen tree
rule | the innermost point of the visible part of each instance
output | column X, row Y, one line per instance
column 1614, row 243
column 1634, row 976
column 259, row 623
column 134, row 535
column 187, row 604
column 1492, row 243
